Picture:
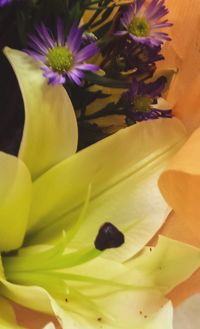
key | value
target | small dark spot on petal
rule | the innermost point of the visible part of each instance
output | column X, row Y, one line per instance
column 140, row 312
column 66, row 300
column 145, row 316
column 150, row 249
column 99, row 319
column 108, row 237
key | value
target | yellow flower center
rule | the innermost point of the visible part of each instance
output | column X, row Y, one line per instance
column 142, row 103
column 139, row 27
column 60, row 59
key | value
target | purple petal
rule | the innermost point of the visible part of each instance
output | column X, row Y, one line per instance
column 53, row 77
column 154, row 89
column 37, row 44
column 87, row 67
column 74, row 78
column 38, row 57
column 74, row 39
column 45, row 36
column 86, row 52
column 162, row 24
column 78, row 73
column 60, row 33
column 5, row 2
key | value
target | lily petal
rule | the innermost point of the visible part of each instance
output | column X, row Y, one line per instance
column 186, row 316
column 122, row 170
column 180, row 183
column 50, row 326
column 181, row 180
column 38, row 299
column 163, row 319
column 184, row 93
column 166, row 265
column 183, row 54
column 15, row 199
column 158, row 269
column 34, row 320
column 50, row 131
column 74, row 319
column 146, row 279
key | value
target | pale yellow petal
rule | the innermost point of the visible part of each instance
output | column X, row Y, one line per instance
column 50, row 129
column 15, row 199
column 123, row 171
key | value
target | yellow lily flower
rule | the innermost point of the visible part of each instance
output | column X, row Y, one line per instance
column 53, row 205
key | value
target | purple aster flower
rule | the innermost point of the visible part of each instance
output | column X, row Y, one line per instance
column 142, row 22
column 130, row 59
column 125, row 59
column 5, row 2
column 140, row 101
column 62, row 57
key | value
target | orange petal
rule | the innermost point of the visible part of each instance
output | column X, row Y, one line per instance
column 33, row 320
column 185, row 289
column 184, row 53
column 180, row 185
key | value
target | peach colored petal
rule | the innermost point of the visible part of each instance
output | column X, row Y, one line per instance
column 186, row 289
column 184, row 53
column 180, row 185
column 33, row 320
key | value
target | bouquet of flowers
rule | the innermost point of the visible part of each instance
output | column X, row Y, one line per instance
column 103, row 52
column 85, row 137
